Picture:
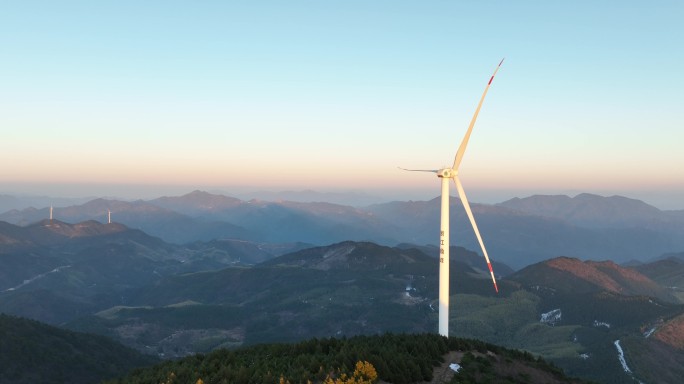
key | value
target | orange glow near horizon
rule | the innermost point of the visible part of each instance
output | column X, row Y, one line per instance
column 179, row 173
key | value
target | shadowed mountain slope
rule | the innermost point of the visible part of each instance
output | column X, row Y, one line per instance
column 667, row 272
column 347, row 288
column 32, row 352
column 356, row 256
column 472, row 259
column 30, row 254
column 314, row 223
column 62, row 271
column 222, row 252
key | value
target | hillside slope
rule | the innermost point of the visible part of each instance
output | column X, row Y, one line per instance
column 565, row 274
column 668, row 272
column 347, row 289
column 32, row 352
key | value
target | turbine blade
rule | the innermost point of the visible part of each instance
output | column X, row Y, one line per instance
column 464, row 143
column 466, row 205
column 419, row 170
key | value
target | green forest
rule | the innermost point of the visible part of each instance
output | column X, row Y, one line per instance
column 33, row 352
column 396, row 358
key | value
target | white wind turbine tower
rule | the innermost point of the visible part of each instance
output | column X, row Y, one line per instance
column 109, row 216
column 445, row 174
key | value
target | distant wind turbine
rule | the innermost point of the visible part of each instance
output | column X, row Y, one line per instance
column 445, row 174
column 51, row 213
column 109, row 216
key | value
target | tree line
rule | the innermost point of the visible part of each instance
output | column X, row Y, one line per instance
column 394, row 358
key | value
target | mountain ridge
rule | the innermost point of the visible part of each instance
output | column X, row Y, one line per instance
column 590, row 210
column 585, row 226
column 568, row 274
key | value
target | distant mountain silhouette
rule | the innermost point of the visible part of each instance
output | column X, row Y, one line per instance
column 20, row 202
column 197, row 203
column 158, row 221
column 354, row 199
column 673, row 255
column 315, row 223
column 518, row 232
column 594, row 211
column 519, row 238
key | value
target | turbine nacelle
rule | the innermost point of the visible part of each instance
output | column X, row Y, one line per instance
column 447, row 173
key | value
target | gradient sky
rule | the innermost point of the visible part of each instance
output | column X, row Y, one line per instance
column 334, row 95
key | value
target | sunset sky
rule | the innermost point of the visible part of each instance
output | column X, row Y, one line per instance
column 124, row 98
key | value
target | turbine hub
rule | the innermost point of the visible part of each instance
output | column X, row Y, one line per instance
column 447, row 173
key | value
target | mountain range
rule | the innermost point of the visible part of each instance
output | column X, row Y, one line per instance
column 174, row 300
column 178, row 298
column 593, row 211
column 517, row 232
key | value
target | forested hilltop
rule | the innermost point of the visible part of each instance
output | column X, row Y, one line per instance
column 32, row 352
column 391, row 358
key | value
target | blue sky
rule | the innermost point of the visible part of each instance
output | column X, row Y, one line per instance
column 117, row 97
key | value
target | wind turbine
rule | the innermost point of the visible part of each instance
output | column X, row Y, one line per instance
column 109, row 216
column 445, row 174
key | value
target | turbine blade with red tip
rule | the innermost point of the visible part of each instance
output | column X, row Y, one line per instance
column 466, row 205
column 464, row 143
